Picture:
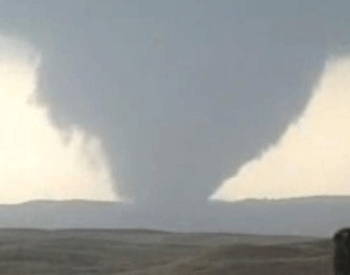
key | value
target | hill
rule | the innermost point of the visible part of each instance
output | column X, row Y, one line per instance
column 136, row 252
column 314, row 216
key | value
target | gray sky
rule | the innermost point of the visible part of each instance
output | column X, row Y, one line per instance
column 182, row 93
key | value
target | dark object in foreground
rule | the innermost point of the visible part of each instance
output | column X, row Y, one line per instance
column 341, row 241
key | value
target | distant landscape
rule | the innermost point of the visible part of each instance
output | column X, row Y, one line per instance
column 314, row 216
column 249, row 237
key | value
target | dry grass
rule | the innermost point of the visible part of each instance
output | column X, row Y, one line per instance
column 154, row 253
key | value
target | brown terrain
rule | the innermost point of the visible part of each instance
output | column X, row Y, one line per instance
column 136, row 252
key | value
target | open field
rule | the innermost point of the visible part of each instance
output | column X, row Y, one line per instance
column 136, row 252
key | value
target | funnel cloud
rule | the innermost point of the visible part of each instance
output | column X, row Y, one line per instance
column 313, row 155
column 182, row 94
column 37, row 160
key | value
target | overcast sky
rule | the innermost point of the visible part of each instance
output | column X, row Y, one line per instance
column 180, row 94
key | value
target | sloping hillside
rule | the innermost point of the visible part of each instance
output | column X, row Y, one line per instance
column 137, row 252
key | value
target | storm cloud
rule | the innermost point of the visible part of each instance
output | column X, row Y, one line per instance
column 38, row 161
column 312, row 156
column 181, row 93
